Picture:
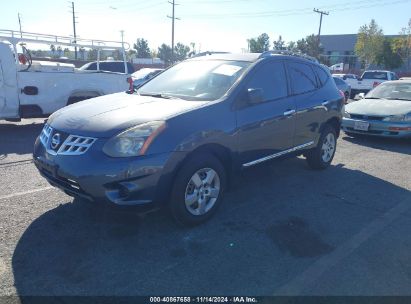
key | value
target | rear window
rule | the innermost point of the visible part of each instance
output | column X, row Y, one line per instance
column 302, row 77
column 321, row 74
column 375, row 75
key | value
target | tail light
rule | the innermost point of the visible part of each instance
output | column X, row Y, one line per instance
column 130, row 82
column 343, row 96
column 376, row 83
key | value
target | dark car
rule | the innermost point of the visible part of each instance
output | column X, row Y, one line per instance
column 143, row 75
column 109, row 66
column 178, row 140
column 343, row 87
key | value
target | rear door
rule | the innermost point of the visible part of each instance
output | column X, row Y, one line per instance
column 267, row 128
column 309, row 100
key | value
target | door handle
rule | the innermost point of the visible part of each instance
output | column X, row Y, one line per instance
column 289, row 112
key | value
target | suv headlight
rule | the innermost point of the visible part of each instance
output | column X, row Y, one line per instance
column 134, row 141
column 346, row 114
column 398, row 118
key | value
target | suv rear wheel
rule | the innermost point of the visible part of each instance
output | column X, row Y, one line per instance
column 198, row 190
column 321, row 156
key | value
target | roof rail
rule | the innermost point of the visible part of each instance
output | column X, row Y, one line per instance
column 207, row 53
column 16, row 37
column 288, row 53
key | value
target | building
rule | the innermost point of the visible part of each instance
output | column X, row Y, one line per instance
column 341, row 49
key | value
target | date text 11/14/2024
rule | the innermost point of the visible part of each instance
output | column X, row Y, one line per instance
column 203, row 299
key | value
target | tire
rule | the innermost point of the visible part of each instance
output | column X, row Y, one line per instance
column 321, row 156
column 193, row 199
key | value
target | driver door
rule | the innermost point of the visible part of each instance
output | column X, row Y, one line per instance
column 266, row 129
column 9, row 101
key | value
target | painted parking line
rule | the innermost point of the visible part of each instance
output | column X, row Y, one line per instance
column 25, row 192
column 306, row 280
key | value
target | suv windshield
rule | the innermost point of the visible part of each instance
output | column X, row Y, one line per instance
column 203, row 80
column 391, row 90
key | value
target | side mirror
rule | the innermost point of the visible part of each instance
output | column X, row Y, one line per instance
column 361, row 95
column 255, row 96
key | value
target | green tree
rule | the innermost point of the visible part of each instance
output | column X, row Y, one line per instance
column 309, row 46
column 66, row 52
column 142, row 49
column 279, row 44
column 259, row 44
column 292, row 46
column 402, row 45
column 388, row 58
column 370, row 43
column 92, row 54
column 165, row 53
column 181, row 51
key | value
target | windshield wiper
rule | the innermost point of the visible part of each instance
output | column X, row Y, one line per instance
column 158, row 95
column 372, row 98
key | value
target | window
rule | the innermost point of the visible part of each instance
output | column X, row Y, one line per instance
column 375, row 75
column 302, row 77
column 321, row 73
column 272, row 79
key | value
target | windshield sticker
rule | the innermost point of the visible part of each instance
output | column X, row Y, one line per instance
column 227, row 69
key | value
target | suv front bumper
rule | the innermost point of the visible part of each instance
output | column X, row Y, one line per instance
column 143, row 180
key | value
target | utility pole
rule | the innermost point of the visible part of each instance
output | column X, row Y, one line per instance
column 74, row 29
column 321, row 21
column 21, row 34
column 173, row 18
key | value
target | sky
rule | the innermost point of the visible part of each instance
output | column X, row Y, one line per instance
column 213, row 25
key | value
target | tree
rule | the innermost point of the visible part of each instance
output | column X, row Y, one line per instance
column 66, row 52
column 192, row 49
column 370, row 43
column 279, row 44
column 402, row 45
column 181, row 51
column 292, row 46
column 82, row 52
column 259, row 44
column 165, row 53
column 92, row 54
column 309, row 45
column 388, row 58
column 142, row 49
column 52, row 49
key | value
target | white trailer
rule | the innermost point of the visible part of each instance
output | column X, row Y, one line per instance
column 38, row 88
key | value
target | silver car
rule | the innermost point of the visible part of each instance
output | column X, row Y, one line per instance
column 384, row 111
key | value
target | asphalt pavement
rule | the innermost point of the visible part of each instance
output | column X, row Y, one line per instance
column 283, row 229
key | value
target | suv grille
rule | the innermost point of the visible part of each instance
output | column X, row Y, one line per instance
column 72, row 144
column 76, row 145
column 366, row 117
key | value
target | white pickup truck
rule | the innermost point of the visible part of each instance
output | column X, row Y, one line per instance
column 369, row 80
column 38, row 88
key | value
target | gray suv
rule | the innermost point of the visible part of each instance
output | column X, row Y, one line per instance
column 176, row 141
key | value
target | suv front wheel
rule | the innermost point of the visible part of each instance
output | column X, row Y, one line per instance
column 198, row 190
column 322, row 155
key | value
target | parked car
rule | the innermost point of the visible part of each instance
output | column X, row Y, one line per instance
column 343, row 87
column 385, row 111
column 346, row 76
column 108, row 66
column 177, row 140
column 143, row 75
column 369, row 80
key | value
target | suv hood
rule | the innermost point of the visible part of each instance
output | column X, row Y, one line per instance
column 379, row 107
column 108, row 115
